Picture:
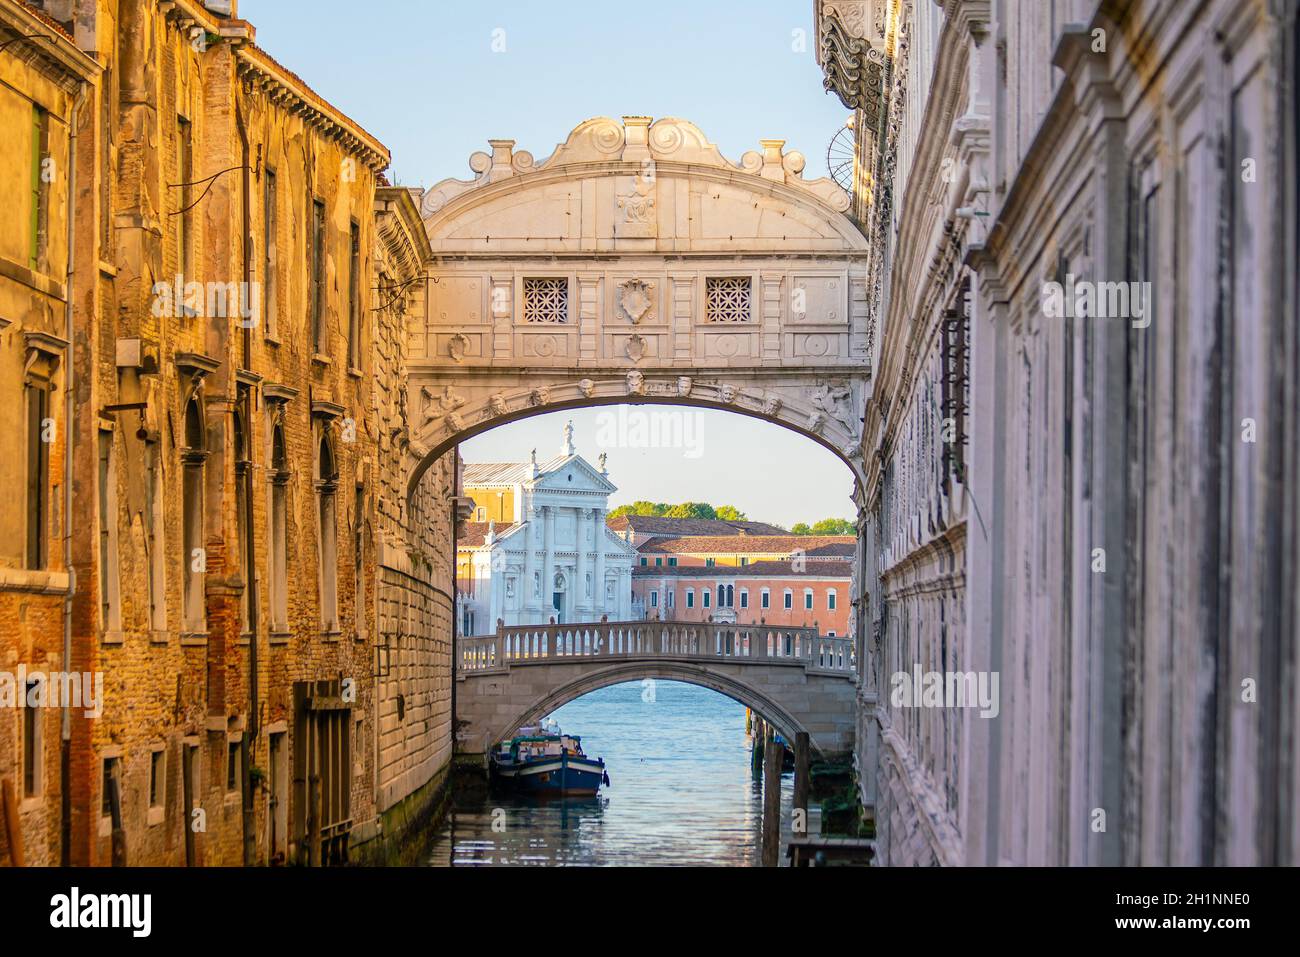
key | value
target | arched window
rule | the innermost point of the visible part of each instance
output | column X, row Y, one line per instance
column 194, row 455
column 326, row 489
column 278, row 553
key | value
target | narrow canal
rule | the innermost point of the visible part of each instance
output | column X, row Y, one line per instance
column 681, row 790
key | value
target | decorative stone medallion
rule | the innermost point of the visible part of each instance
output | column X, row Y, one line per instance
column 635, row 299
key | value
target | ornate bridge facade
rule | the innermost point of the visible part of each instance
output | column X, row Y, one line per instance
column 794, row 678
column 638, row 265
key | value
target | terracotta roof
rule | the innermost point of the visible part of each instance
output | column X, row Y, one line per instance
column 825, row 546
column 45, row 18
column 662, row 525
column 773, row 569
column 473, row 534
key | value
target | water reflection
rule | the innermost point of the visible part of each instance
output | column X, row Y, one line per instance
column 681, row 792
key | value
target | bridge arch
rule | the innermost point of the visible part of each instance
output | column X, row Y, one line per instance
column 596, row 389
column 742, row 692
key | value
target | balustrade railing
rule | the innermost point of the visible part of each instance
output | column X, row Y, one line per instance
column 526, row 644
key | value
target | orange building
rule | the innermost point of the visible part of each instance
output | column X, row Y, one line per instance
column 785, row 592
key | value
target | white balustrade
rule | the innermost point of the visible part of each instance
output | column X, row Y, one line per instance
column 528, row 644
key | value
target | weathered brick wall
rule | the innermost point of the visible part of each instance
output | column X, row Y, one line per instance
column 33, row 351
column 167, row 686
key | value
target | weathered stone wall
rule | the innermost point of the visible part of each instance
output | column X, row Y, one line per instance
column 1116, row 535
column 413, row 734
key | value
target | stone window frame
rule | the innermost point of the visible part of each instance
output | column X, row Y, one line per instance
column 234, row 744
column 44, row 356
column 356, row 310
column 112, row 753
column 690, row 598
column 326, row 484
column 788, row 596
column 744, row 598
column 157, row 812
column 193, row 459
column 809, row 599
column 279, row 476
column 317, row 253
column 154, row 531
column 270, row 255
column 33, row 757
column 832, row 599
column 765, row 598
column 110, row 579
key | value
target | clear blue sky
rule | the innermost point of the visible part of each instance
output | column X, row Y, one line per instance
column 421, row 75
column 664, row 453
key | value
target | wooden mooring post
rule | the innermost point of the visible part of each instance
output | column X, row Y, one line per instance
column 773, row 756
column 799, row 815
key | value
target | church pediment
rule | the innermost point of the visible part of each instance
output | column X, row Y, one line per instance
column 573, row 474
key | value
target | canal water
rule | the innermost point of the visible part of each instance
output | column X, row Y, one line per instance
column 681, row 790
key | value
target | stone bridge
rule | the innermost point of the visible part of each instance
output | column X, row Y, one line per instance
column 637, row 265
column 792, row 677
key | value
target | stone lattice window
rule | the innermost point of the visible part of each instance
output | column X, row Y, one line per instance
column 546, row 299
column 726, row 298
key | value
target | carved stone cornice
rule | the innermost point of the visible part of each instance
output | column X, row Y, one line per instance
column 262, row 76
column 853, row 66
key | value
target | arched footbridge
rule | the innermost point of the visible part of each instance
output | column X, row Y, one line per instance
column 794, row 678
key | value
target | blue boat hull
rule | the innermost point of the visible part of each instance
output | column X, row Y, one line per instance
column 552, row 775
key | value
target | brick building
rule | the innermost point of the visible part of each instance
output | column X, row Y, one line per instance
column 265, row 596
column 44, row 79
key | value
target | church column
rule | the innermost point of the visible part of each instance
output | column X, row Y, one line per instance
column 581, row 603
column 530, row 599
column 598, row 585
column 548, row 567
column 624, row 604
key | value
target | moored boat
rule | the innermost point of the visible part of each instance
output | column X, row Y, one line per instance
column 538, row 761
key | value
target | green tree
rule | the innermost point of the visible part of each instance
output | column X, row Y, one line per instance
column 730, row 513
column 640, row 508
column 827, row 526
column 691, row 510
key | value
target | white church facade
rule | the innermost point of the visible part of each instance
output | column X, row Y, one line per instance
column 538, row 548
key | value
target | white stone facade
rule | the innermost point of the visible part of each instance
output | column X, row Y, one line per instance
column 557, row 561
column 1113, row 527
